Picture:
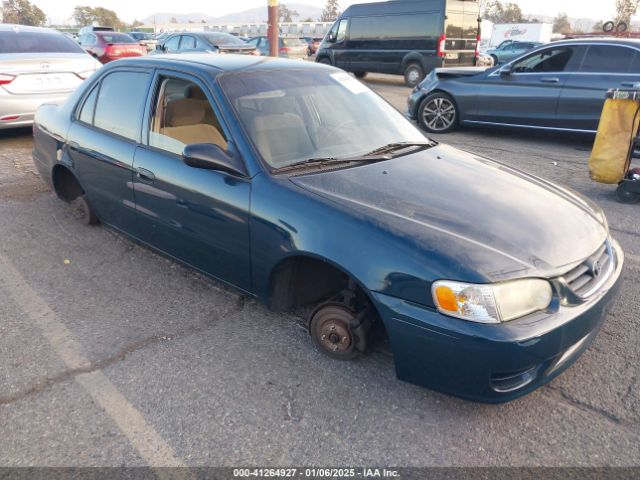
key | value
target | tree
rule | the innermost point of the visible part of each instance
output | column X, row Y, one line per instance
column 598, row 26
column 625, row 9
column 285, row 14
column 308, row 19
column 136, row 23
column 22, row 12
column 173, row 20
column 84, row 15
column 331, row 11
column 499, row 12
column 561, row 23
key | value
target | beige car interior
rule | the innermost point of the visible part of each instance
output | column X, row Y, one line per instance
column 185, row 118
column 279, row 132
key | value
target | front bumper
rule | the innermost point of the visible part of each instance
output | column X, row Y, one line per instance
column 492, row 363
column 24, row 107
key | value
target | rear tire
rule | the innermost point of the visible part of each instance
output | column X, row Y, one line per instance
column 438, row 113
column 83, row 210
column 360, row 74
column 413, row 74
column 324, row 60
column 495, row 60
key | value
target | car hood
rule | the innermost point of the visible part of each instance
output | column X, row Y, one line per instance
column 498, row 221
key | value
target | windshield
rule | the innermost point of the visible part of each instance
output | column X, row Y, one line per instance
column 37, row 42
column 293, row 115
column 223, row 39
column 141, row 36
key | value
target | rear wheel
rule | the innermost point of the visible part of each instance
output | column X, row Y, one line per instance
column 413, row 74
column 324, row 60
column 438, row 113
column 495, row 60
column 360, row 74
column 624, row 195
column 83, row 210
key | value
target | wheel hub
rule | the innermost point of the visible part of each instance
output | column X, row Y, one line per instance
column 335, row 336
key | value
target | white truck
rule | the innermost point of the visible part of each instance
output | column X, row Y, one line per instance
column 519, row 32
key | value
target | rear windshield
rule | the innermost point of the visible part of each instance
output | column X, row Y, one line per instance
column 142, row 36
column 117, row 38
column 223, row 39
column 292, row 42
column 37, row 42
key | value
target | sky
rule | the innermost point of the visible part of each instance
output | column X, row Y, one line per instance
column 61, row 10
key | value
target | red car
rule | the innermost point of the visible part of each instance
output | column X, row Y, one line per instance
column 108, row 46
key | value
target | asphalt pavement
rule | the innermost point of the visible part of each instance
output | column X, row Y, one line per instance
column 111, row 355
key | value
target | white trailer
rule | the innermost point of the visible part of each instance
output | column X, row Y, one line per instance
column 520, row 32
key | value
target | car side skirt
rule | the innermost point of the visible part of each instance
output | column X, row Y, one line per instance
column 536, row 127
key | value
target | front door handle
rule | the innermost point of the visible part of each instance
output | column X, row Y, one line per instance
column 144, row 174
column 550, row 80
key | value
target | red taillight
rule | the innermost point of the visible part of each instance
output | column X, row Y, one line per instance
column 255, row 52
column 9, row 118
column 441, row 47
column 6, row 79
column 478, row 46
column 284, row 50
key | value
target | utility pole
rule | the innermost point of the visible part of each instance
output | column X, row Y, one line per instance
column 273, row 28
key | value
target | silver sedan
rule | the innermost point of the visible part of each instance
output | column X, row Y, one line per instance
column 37, row 65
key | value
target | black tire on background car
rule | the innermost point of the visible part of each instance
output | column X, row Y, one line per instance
column 438, row 113
column 413, row 74
column 324, row 60
column 83, row 210
column 495, row 60
column 624, row 195
column 360, row 74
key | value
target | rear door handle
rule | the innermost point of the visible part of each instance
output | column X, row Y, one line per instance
column 144, row 174
column 550, row 80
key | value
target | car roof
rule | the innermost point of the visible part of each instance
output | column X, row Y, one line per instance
column 224, row 63
column 634, row 42
column 8, row 27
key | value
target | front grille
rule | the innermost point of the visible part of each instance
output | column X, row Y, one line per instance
column 585, row 279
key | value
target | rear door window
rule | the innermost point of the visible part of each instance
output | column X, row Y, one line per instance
column 86, row 113
column 606, row 59
column 120, row 101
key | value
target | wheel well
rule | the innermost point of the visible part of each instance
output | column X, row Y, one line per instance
column 324, row 57
column 65, row 183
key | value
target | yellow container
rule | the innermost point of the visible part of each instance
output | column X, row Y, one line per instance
column 618, row 126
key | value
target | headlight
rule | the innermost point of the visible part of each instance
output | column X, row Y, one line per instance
column 491, row 303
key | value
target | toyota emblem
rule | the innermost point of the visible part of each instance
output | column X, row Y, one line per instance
column 596, row 269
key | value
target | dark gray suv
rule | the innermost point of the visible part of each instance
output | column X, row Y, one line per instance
column 558, row 86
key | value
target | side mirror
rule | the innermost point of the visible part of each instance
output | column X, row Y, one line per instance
column 505, row 70
column 331, row 38
column 210, row 156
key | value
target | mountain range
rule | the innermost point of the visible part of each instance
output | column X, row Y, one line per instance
column 253, row 15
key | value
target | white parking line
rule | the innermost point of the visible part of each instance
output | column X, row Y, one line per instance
column 142, row 436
